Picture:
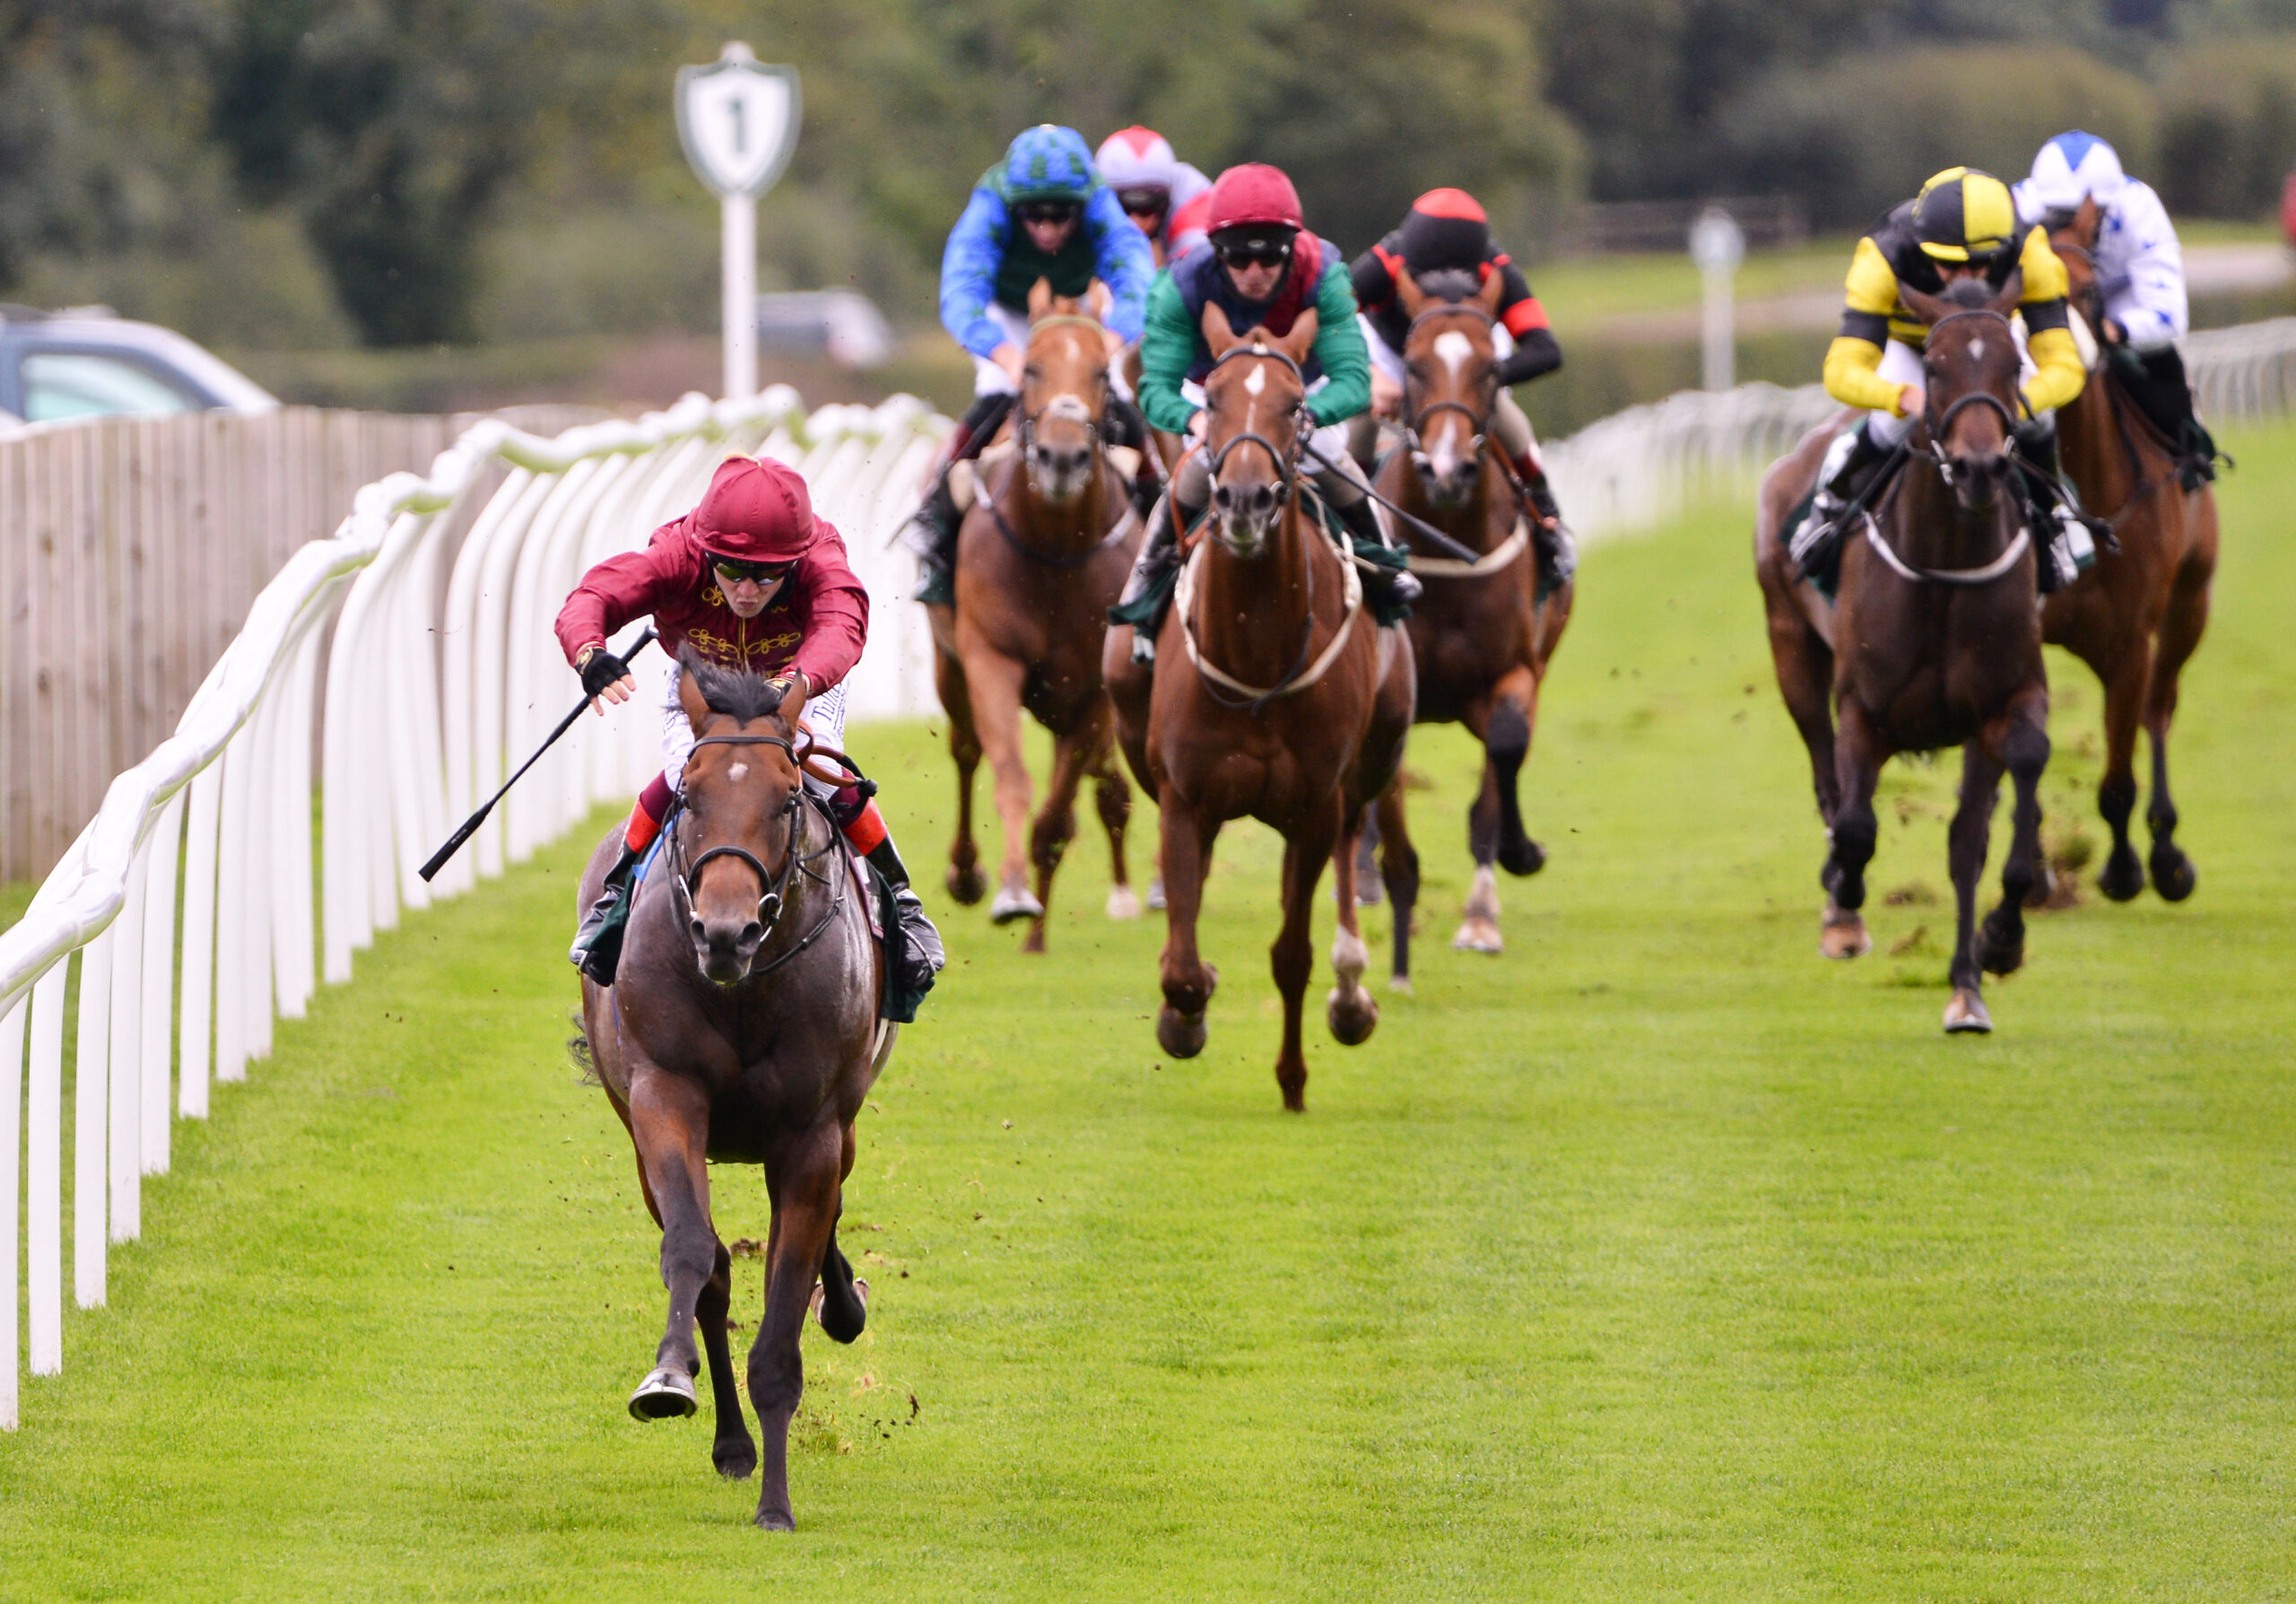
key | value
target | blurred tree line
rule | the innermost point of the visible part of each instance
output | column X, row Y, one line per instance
column 410, row 171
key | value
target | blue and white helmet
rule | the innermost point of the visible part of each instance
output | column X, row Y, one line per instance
column 2069, row 169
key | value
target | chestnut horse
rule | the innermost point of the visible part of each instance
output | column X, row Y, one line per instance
column 742, row 1028
column 1935, row 640
column 1480, row 636
column 1273, row 695
column 1042, row 554
column 2137, row 615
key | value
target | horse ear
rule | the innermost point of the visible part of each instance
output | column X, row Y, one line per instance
column 1217, row 335
column 697, row 711
column 2010, row 294
column 1040, row 298
column 1097, row 299
column 1494, row 286
column 1301, row 340
column 1409, row 296
column 1929, row 309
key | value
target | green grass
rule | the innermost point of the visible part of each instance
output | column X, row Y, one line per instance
column 1655, row 1259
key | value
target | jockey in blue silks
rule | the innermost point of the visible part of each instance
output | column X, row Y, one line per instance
column 1042, row 212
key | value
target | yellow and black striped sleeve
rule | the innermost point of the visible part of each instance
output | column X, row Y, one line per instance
column 2059, row 375
column 1853, row 359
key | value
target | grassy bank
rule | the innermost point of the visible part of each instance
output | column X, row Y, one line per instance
column 1655, row 1259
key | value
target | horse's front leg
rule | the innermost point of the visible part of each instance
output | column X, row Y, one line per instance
column 1859, row 753
column 2173, row 875
column 669, row 1121
column 1293, row 956
column 1056, row 821
column 998, row 683
column 802, row 1177
column 1112, row 796
column 1967, row 838
column 1350, row 1010
column 1506, row 739
column 964, row 879
column 1188, row 980
column 2122, row 875
column 1399, row 872
column 2021, row 745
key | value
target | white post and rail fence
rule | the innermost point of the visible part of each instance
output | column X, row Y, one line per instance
column 417, row 639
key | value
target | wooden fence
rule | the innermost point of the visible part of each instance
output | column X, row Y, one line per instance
column 130, row 550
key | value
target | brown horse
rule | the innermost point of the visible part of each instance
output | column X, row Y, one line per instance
column 1935, row 640
column 1042, row 554
column 2137, row 615
column 1273, row 695
column 1481, row 637
column 743, row 1028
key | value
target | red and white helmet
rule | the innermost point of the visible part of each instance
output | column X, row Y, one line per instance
column 1137, row 158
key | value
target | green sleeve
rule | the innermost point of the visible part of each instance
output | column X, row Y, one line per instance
column 1167, row 351
column 1340, row 351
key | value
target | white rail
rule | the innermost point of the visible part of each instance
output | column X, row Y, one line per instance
column 195, row 881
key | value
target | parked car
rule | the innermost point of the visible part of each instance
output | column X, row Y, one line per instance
column 86, row 362
column 842, row 325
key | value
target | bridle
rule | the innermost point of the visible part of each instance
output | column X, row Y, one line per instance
column 1940, row 423
column 1287, row 462
column 1480, row 422
column 1067, row 406
column 774, row 884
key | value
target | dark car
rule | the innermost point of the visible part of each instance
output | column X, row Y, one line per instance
column 85, row 362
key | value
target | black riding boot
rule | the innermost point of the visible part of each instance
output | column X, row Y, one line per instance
column 1124, row 425
column 597, row 940
column 1816, row 546
column 1551, row 537
column 922, row 956
column 2068, row 538
column 931, row 531
column 1388, row 591
column 2169, row 405
column 1148, row 592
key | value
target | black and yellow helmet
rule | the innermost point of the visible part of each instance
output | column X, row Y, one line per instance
column 1964, row 216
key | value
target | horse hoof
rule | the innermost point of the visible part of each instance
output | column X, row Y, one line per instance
column 2044, row 889
column 2122, row 875
column 1525, row 856
column 1124, row 902
column 1843, row 935
column 664, row 1394
column 966, row 885
column 1180, row 1035
column 775, row 1519
column 1156, row 895
column 1965, row 1015
column 1478, row 936
column 1400, row 984
column 1353, row 1015
column 1014, row 902
column 735, row 1460
column 1369, row 893
column 1996, row 955
column 2173, row 875
column 843, row 1322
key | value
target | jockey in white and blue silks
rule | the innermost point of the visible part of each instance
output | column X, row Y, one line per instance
column 2140, row 274
column 1041, row 213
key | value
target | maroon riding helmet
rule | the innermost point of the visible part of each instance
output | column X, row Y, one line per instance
column 755, row 510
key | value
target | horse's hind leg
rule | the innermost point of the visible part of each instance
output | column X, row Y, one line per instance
column 1858, row 756
column 801, row 1175
column 964, row 881
column 1350, row 1010
column 1399, row 870
column 1506, row 739
column 1056, row 821
column 2022, row 748
column 997, row 685
column 1292, row 958
column 2173, row 875
column 1966, row 840
column 842, row 1300
column 2122, row 875
column 1112, row 795
column 732, row 1450
column 1189, row 981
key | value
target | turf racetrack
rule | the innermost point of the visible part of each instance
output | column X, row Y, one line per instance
column 1655, row 1259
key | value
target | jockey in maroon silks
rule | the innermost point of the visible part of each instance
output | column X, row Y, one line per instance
column 750, row 580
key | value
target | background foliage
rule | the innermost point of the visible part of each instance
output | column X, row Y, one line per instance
column 305, row 173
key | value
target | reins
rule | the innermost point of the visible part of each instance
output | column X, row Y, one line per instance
column 774, row 884
column 1937, row 424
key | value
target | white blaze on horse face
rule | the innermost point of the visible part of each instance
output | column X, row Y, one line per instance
column 1254, row 381
column 1453, row 349
column 737, row 772
column 1976, row 351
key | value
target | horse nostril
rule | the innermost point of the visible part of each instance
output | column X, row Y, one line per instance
column 1263, row 499
column 1224, row 497
column 752, row 934
column 699, row 930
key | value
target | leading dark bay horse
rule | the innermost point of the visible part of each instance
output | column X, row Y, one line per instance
column 1480, row 636
column 1935, row 640
column 743, row 1028
column 2136, row 616
column 1274, row 696
column 1042, row 553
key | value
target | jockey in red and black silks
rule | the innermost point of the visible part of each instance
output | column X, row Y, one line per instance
column 750, row 580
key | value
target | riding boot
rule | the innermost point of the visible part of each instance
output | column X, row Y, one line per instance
column 1147, row 593
column 2071, row 549
column 931, row 531
column 1850, row 458
column 1124, row 425
column 1551, row 537
column 1388, row 591
column 922, row 955
column 2170, row 405
column 597, row 941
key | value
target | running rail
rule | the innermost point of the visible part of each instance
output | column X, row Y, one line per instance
column 413, row 734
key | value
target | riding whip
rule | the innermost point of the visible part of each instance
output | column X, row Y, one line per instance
column 470, row 825
column 1425, row 530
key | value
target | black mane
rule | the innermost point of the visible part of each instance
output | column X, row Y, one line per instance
column 733, row 692
column 1972, row 292
column 1453, row 284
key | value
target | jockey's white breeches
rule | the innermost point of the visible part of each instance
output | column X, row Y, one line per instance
column 1901, row 365
column 823, row 718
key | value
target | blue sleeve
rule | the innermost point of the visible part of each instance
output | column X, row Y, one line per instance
column 1123, row 260
column 969, row 266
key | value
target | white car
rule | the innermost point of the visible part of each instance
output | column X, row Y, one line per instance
column 84, row 363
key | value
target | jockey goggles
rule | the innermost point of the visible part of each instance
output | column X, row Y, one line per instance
column 1144, row 202
column 761, row 573
column 1048, row 211
column 1254, row 250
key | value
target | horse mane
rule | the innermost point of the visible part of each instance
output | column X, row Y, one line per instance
column 1453, row 284
column 734, row 692
column 1972, row 292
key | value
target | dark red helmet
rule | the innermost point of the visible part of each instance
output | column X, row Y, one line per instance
column 755, row 510
column 1253, row 194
